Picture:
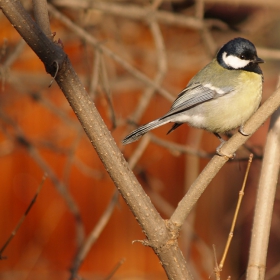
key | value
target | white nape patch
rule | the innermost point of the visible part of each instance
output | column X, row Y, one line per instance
column 234, row 61
column 218, row 90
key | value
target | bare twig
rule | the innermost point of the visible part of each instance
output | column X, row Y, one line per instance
column 139, row 151
column 174, row 147
column 216, row 269
column 135, row 12
column 162, row 68
column 10, row 60
column 93, row 236
column 117, row 266
column 95, row 74
column 107, row 90
column 209, row 42
column 14, row 55
column 19, row 137
column 41, row 16
column 23, row 217
column 71, row 157
column 219, row 268
column 199, row 9
column 94, row 42
column 96, row 174
column 69, row 122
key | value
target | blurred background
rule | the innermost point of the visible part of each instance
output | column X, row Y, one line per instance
column 140, row 44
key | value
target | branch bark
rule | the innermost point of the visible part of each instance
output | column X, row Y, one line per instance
column 159, row 236
column 265, row 201
column 40, row 8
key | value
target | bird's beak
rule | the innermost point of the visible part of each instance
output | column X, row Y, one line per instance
column 258, row 60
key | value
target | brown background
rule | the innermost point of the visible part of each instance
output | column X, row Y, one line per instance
column 46, row 243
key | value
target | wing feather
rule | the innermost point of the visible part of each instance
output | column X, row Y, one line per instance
column 195, row 94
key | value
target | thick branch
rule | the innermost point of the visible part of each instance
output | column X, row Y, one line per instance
column 50, row 54
column 159, row 237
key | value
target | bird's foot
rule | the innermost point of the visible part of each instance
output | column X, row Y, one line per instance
column 242, row 131
column 218, row 150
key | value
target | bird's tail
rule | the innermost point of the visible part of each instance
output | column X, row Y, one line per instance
column 140, row 131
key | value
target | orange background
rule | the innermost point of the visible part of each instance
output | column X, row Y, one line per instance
column 46, row 243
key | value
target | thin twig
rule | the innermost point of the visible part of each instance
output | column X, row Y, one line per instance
column 107, row 90
column 94, row 42
column 241, row 194
column 178, row 148
column 70, row 161
column 22, row 218
column 40, row 9
column 10, row 60
column 134, row 12
column 95, row 74
column 199, row 9
column 88, row 171
column 148, row 94
column 94, row 235
column 139, row 151
column 117, row 266
column 19, row 137
column 14, row 55
column 216, row 269
column 162, row 68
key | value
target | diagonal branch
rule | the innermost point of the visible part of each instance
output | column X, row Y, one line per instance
column 159, row 237
column 217, row 162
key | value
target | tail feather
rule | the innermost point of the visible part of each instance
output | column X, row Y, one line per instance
column 140, row 131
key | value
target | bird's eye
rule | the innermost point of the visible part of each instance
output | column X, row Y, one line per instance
column 242, row 56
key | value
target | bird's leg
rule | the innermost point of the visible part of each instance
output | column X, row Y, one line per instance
column 219, row 137
column 220, row 146
column 218, row 149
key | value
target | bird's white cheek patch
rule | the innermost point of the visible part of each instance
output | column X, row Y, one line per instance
column 234, row 62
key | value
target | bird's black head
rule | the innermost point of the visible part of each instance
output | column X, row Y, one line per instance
column 239, row 53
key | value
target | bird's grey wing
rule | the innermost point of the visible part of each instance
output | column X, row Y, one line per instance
column 195, row 94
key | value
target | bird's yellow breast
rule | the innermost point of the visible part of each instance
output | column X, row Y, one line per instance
column 235, row 108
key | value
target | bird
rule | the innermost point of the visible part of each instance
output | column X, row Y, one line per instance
column 220, row 97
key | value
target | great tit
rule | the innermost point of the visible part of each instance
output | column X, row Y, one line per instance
column 219, row 98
